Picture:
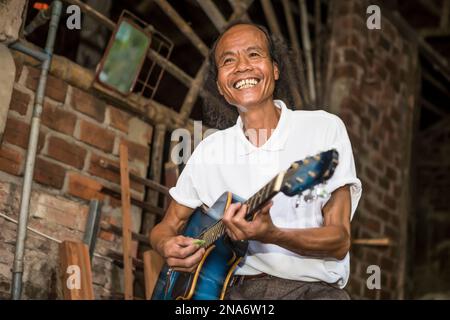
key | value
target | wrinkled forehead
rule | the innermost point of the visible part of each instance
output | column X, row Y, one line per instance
column 241, row 37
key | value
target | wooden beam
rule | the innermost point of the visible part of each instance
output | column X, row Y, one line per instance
column 153, row 264
column 108, row 227
column 308, row 51
column 431, row 7
column 76, row 274
column 118, row 258
column 138, row 203
column 438, row 85
column 435, row 32
column 194, row 90
column 146, row 182
column 126, row 222
column 383, row 242
column 275, row 29
column 427, row 104
column 213, row 13
column 293, row 36
column 241, row 6
column 183, row 26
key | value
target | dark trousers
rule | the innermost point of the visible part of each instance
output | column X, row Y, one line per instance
column 273, row 288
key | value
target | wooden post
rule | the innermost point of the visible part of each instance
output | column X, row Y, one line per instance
column 307, row 47
column 76, row 274
column 275, row 28
column 293, row 36
column 151, row 197
column 153, row 264
column 126, row 222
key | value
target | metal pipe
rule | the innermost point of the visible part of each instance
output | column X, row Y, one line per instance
column 16, row 288
column 22, row 47
column 40, row 19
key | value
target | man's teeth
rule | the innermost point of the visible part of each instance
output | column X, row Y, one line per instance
column 246, row 83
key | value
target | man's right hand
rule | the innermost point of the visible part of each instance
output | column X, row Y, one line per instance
column 181, row 253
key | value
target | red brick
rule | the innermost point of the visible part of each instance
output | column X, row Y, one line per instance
column 119, row 119
column 138, row 152
column 88, row 104
column 11, row 160
column 55, row 88
column 84, row 187
column 58, row 119
column 20, row 101
column 48, row 173
column 96, row 169
column 105, row 235
column 96, row 136
column 66, row 152
column 17, row 132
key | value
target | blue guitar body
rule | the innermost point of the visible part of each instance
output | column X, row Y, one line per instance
column 212, row 275
column 211, row 278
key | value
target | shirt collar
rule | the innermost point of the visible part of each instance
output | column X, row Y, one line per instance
column 276, row 141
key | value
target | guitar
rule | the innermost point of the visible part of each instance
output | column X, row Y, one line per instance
column 222, row 255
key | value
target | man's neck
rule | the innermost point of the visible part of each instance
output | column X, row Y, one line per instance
column 259, row 121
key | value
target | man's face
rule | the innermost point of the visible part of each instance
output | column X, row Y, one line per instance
column 246, row 74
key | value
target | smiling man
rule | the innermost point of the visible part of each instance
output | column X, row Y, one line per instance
column 297, row 249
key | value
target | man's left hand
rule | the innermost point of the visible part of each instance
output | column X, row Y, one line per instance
column 260, row 228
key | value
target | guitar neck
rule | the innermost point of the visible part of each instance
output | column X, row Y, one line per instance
column 254, row 203
column 260, row 198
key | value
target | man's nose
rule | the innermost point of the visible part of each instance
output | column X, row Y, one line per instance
column 243, row 64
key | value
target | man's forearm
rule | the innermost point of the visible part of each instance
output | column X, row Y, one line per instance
column 328, row 241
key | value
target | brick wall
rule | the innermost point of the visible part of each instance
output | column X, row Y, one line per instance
column 78, row 131
column 371, row 86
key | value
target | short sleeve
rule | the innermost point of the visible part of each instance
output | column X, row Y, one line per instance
column 345, row 173
column 185, row 192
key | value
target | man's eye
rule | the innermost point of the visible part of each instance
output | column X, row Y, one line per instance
column 254, row 54
column 227, row 61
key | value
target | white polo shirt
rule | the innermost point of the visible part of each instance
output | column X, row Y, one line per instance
column 228, row 161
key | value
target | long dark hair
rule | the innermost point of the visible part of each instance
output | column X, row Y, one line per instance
column 217, row 112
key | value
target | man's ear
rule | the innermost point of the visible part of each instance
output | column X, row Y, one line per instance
column 218, row 88
column 276, row 71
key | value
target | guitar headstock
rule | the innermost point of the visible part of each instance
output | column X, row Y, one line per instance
column 309, row 172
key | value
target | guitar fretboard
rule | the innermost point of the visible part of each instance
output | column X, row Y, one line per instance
column 254, row 203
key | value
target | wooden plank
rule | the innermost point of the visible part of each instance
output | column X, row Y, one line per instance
column 153, row 264
column 141, row 204
column 373, row 242
column 126, row 222
column 76, row 274
column 109, row 227
column 146, row 182
column 184, row 27
column 213, row 13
